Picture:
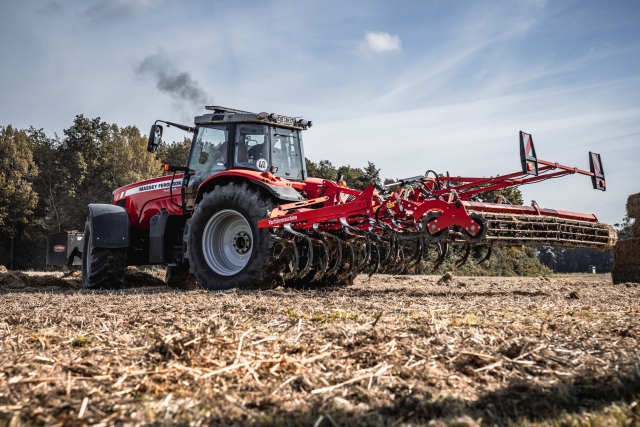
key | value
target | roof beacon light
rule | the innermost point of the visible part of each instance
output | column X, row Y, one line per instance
column 263, row 116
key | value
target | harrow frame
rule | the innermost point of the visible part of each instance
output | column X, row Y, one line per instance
column 443, row 210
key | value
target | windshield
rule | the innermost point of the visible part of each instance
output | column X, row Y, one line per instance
column 209, row 152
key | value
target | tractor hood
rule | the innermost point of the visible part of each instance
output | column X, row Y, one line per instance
column 158, row 187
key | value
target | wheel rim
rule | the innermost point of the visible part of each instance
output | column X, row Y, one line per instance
column 227, row 242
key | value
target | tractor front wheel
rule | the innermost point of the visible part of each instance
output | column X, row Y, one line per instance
column 225, row 247
column 101, row 268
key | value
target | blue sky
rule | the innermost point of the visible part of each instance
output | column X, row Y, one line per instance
column 409, row 85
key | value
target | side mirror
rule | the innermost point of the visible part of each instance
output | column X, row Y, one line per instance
column 155, row 138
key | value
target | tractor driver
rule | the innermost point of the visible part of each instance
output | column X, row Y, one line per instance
column 257, row 152
column 241, row 154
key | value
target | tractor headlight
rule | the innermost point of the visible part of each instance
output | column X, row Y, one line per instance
column 263, row 116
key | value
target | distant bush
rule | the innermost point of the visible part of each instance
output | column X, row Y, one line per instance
column 507, row 261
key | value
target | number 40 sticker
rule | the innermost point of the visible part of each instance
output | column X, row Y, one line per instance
column 261, row 164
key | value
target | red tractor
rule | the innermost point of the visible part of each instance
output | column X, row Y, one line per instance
column 243, row 213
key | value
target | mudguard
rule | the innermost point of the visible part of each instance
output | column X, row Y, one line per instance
column 280, row 188
column 156, row 237
column 109, row 226
column 281, row 192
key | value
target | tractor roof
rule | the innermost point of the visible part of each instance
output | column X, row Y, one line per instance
column 226, row 115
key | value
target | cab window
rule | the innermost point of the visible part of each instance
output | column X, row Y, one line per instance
column 286, row 154
column 252, row 147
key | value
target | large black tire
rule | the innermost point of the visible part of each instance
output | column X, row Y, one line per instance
column 247, row 201
column 102, row 268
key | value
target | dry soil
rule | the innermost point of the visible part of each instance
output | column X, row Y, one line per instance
column 403, row 350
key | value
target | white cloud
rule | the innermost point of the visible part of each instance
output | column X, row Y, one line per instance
column 377, row 41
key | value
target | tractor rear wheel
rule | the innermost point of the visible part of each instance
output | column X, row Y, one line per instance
column 102, row 268
column 225, row 247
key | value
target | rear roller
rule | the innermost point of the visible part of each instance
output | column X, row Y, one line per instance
column 525, row 230
column 535, row 231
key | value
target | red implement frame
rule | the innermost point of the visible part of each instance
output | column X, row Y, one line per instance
column 452, row 196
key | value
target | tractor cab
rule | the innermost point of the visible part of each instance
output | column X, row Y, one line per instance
column 228, row 139
column 244, row 141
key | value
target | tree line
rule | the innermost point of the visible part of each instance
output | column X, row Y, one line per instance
column 47, row 182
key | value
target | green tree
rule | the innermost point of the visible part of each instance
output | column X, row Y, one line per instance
column 98, row 158
column 86, row 171
column 176, row 153
column 371, row 174
column 47, row 183
column 624, row 228
column 504, row 261
column 513, row 195
column 92, row 160
column 17, row 171
column 131, row 160
column 389, row 181
column 354, row 177
column 323, row 170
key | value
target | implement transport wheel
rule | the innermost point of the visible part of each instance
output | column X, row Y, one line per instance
column 225, row 247
column 102, row 268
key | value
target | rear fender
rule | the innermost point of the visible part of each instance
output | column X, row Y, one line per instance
column 109, row 226
column 157, row 228
column 279, row 188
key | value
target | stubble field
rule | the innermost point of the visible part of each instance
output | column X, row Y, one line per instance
column 403, row 350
